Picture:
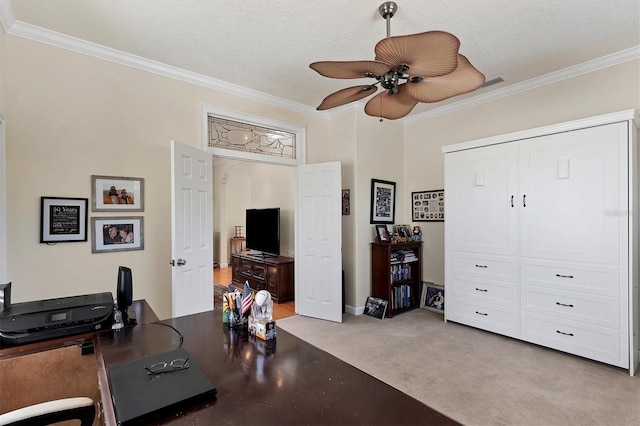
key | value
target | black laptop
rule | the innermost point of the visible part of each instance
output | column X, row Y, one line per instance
column 154, row 385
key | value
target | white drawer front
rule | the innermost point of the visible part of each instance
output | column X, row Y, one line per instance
column 489, row 291
column 596, row 310
column 591, row 279
column 492, row 267
column 498, row 319
column 598, row 343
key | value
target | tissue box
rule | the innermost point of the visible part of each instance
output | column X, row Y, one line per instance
column 262, row 330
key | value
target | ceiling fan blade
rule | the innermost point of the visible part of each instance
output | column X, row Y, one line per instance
column 428, row 54
column 466, row 78
column 344, row 96
column 349, row 69
column 390, row 106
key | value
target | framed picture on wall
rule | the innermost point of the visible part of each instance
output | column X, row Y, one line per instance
column 383, row 201
column 63, row 219
column 111, row 193
column 117, row 234
column 428, row 206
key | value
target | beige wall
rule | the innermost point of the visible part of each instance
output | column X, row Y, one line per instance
column 605, row 91
column 379, row 154
column 70, row 116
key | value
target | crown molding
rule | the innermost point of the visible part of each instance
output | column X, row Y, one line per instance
column 38, row 34
column 32, row 32
column 617, row 58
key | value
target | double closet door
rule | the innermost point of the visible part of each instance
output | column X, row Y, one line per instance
column 537, row 240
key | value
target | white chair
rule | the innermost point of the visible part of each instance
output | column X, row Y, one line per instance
column 45, row 413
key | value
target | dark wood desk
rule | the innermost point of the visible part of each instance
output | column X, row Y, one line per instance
column 289, row 382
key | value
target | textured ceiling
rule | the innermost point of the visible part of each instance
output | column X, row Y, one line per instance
column 267, row 46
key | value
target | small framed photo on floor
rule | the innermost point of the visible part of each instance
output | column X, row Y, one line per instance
column 432, row 297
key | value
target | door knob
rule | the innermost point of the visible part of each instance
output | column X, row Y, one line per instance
column 180, row 262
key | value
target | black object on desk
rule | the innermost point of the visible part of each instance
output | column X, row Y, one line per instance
column 139, row 390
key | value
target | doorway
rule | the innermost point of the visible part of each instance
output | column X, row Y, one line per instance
column 240, row 185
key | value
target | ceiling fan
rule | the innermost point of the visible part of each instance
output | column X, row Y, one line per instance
column 423, row 67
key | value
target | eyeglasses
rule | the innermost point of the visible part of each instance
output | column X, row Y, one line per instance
column 167, row 367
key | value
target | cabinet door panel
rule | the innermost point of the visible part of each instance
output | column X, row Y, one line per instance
column 572, row 186
column 480, row 185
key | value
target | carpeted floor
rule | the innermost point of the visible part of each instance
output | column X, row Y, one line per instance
column 476, row 377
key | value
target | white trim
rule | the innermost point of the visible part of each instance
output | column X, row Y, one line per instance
column 84, row 47
column 3, row 202
column 626, row 115
column 32, row 32
column 534, row 83
column 257, row 120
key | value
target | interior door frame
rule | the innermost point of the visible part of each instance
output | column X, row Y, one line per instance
column 207, row 110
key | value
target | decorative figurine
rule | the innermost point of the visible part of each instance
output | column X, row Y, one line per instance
column 417, row 233
column 262, row 308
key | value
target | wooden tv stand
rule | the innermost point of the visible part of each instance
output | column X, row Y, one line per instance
column 274, row 274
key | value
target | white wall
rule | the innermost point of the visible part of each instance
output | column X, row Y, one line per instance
column 244, row 185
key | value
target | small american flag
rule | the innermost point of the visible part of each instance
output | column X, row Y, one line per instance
column 247, row 298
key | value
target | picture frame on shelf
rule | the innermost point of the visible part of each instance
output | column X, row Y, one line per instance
column 113, row 193
column 117, row 234
column 432, row 297
column 428, row 206
column 63, row 219
column 383, row 201
column 383, row 234
column 403, row 231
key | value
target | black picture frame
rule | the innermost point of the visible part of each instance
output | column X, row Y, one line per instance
column 63, row 219
column 427, row 206
column 383, row 234
column 383, row 201
column 375, row 307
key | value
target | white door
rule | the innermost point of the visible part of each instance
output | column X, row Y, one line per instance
column 481, row 200
column 319, row 242
column 191, row 230
column 569, row 183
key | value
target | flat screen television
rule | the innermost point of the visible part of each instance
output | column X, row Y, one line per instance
column 263, row 230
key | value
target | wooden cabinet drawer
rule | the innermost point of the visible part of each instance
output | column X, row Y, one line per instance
column 586, row 308
column 499, row 319
column 583, row 278
column 488, row 291
column 598, row 343
column 503, row 268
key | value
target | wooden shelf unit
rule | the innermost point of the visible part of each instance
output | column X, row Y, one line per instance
column 391, row 272
column 274, row 274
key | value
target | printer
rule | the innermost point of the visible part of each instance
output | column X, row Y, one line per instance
column 39, row 320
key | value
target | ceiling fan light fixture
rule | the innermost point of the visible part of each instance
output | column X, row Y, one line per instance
column 429, row 62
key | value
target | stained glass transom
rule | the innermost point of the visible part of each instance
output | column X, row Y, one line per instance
column 229, row 134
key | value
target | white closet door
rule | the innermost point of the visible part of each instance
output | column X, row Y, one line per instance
column 481, row 185
column 572, row 200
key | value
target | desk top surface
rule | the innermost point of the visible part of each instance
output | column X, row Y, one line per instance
column 284, row 382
